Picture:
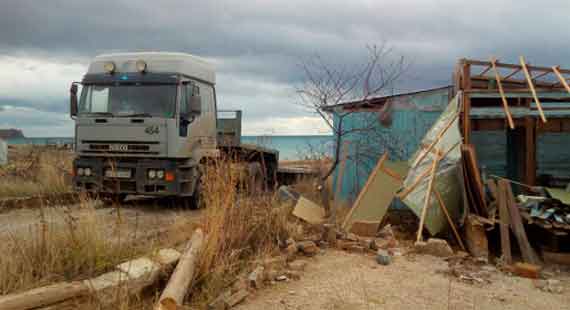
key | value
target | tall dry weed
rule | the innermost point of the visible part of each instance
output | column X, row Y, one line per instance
column 53, row 250
column 239, row 229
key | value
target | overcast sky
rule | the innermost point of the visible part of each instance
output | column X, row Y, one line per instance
column 257, row 46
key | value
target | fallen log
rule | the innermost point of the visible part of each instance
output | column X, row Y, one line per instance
column 132, row 276
column 176, row 288
column 43, row 296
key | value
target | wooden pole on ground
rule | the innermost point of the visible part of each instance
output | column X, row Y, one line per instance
column 561, row 78
column 428, row 198
column 177, row 287
column 502, row 93
column 449, row 220
column 43, row 296
column 532, row 90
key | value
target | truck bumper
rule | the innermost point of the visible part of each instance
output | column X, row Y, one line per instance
column 130, row 176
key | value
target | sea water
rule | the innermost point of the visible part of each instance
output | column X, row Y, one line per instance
column 289, row 147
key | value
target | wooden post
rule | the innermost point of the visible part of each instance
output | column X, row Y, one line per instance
column 504, row 221
column 466, row 102
column 427, row 201
column 530, row 151
column 173, row 295
column 502, row 93
column 449, row 220
column 561, row 78
column 532, row 90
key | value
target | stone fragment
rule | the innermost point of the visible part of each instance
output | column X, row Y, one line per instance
column 386, row 232
column 435, row 247
column 329, row 234
column 292, row 274
column 255, row 278
column 275, row 263
column 383, row 257
column 351, row 237
column 345, row 244
column 281, row 278
column 365, row 228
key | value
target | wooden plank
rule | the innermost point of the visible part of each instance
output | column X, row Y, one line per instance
column 427, row 201
column 532, row 90
column 504, row 222
column 502, row 93
column 528, row 253
column 466, row 102
column 556, row 71
column 515, row 71
column 420, row 177
column 443, row 208
column 434, row 142
column 475, row 183
column 373, row 201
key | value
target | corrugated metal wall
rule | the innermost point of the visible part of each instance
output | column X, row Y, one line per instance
column 411, row 117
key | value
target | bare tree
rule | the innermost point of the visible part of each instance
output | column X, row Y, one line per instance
column 326, row 86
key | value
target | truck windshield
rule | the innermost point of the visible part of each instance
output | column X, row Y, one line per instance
column 123, row 100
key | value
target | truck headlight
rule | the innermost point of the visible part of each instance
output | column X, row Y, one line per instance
column 87, row 172
column 80, row 171
column 151, row 174
column 160, row 174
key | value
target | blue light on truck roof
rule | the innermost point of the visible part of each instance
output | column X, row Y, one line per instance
column 124, row 77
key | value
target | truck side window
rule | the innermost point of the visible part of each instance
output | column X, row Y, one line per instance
column 188, row 90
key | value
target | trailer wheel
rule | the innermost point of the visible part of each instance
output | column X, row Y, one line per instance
column 256, row 178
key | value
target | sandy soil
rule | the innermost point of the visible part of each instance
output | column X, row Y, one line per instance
column 339, row 280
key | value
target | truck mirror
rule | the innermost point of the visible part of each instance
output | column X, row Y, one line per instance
column 73, row 100
column 195, row 105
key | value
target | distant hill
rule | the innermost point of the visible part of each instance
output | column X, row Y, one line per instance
column 11, row 134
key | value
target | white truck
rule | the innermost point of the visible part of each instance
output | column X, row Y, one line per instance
column 145, row 123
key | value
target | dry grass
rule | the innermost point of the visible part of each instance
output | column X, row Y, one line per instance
column 239, row 229
column 35, row 170
column 76, row 248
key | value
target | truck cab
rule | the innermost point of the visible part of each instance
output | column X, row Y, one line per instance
column 143, row 124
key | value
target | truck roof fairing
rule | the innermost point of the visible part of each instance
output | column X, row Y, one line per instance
column 157, row 62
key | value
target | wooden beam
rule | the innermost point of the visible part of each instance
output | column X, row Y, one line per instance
column 512, row 66
column 485, row 71
column 538, row 76
column 528, row 253
column 502, row 93
column 517, row 70
column 427, row 201
column 448, row 217
column 556, row 71
column 532, row 90
column 466, row 102
column 530, row 151
column 504, row 222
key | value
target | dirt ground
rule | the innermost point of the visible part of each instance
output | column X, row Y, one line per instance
column 338, row 280
column 136, row 219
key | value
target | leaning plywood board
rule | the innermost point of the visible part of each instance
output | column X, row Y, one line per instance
column 444, row 138
column 560, row 194
column 309, row 211
column 378, row 193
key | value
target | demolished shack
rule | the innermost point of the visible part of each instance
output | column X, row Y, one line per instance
column 504, row 122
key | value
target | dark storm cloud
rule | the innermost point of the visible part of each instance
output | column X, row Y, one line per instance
column 264, row 41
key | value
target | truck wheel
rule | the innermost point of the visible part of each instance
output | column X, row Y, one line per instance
column 195, row 201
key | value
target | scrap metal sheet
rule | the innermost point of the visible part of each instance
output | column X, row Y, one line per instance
column 447, row 181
